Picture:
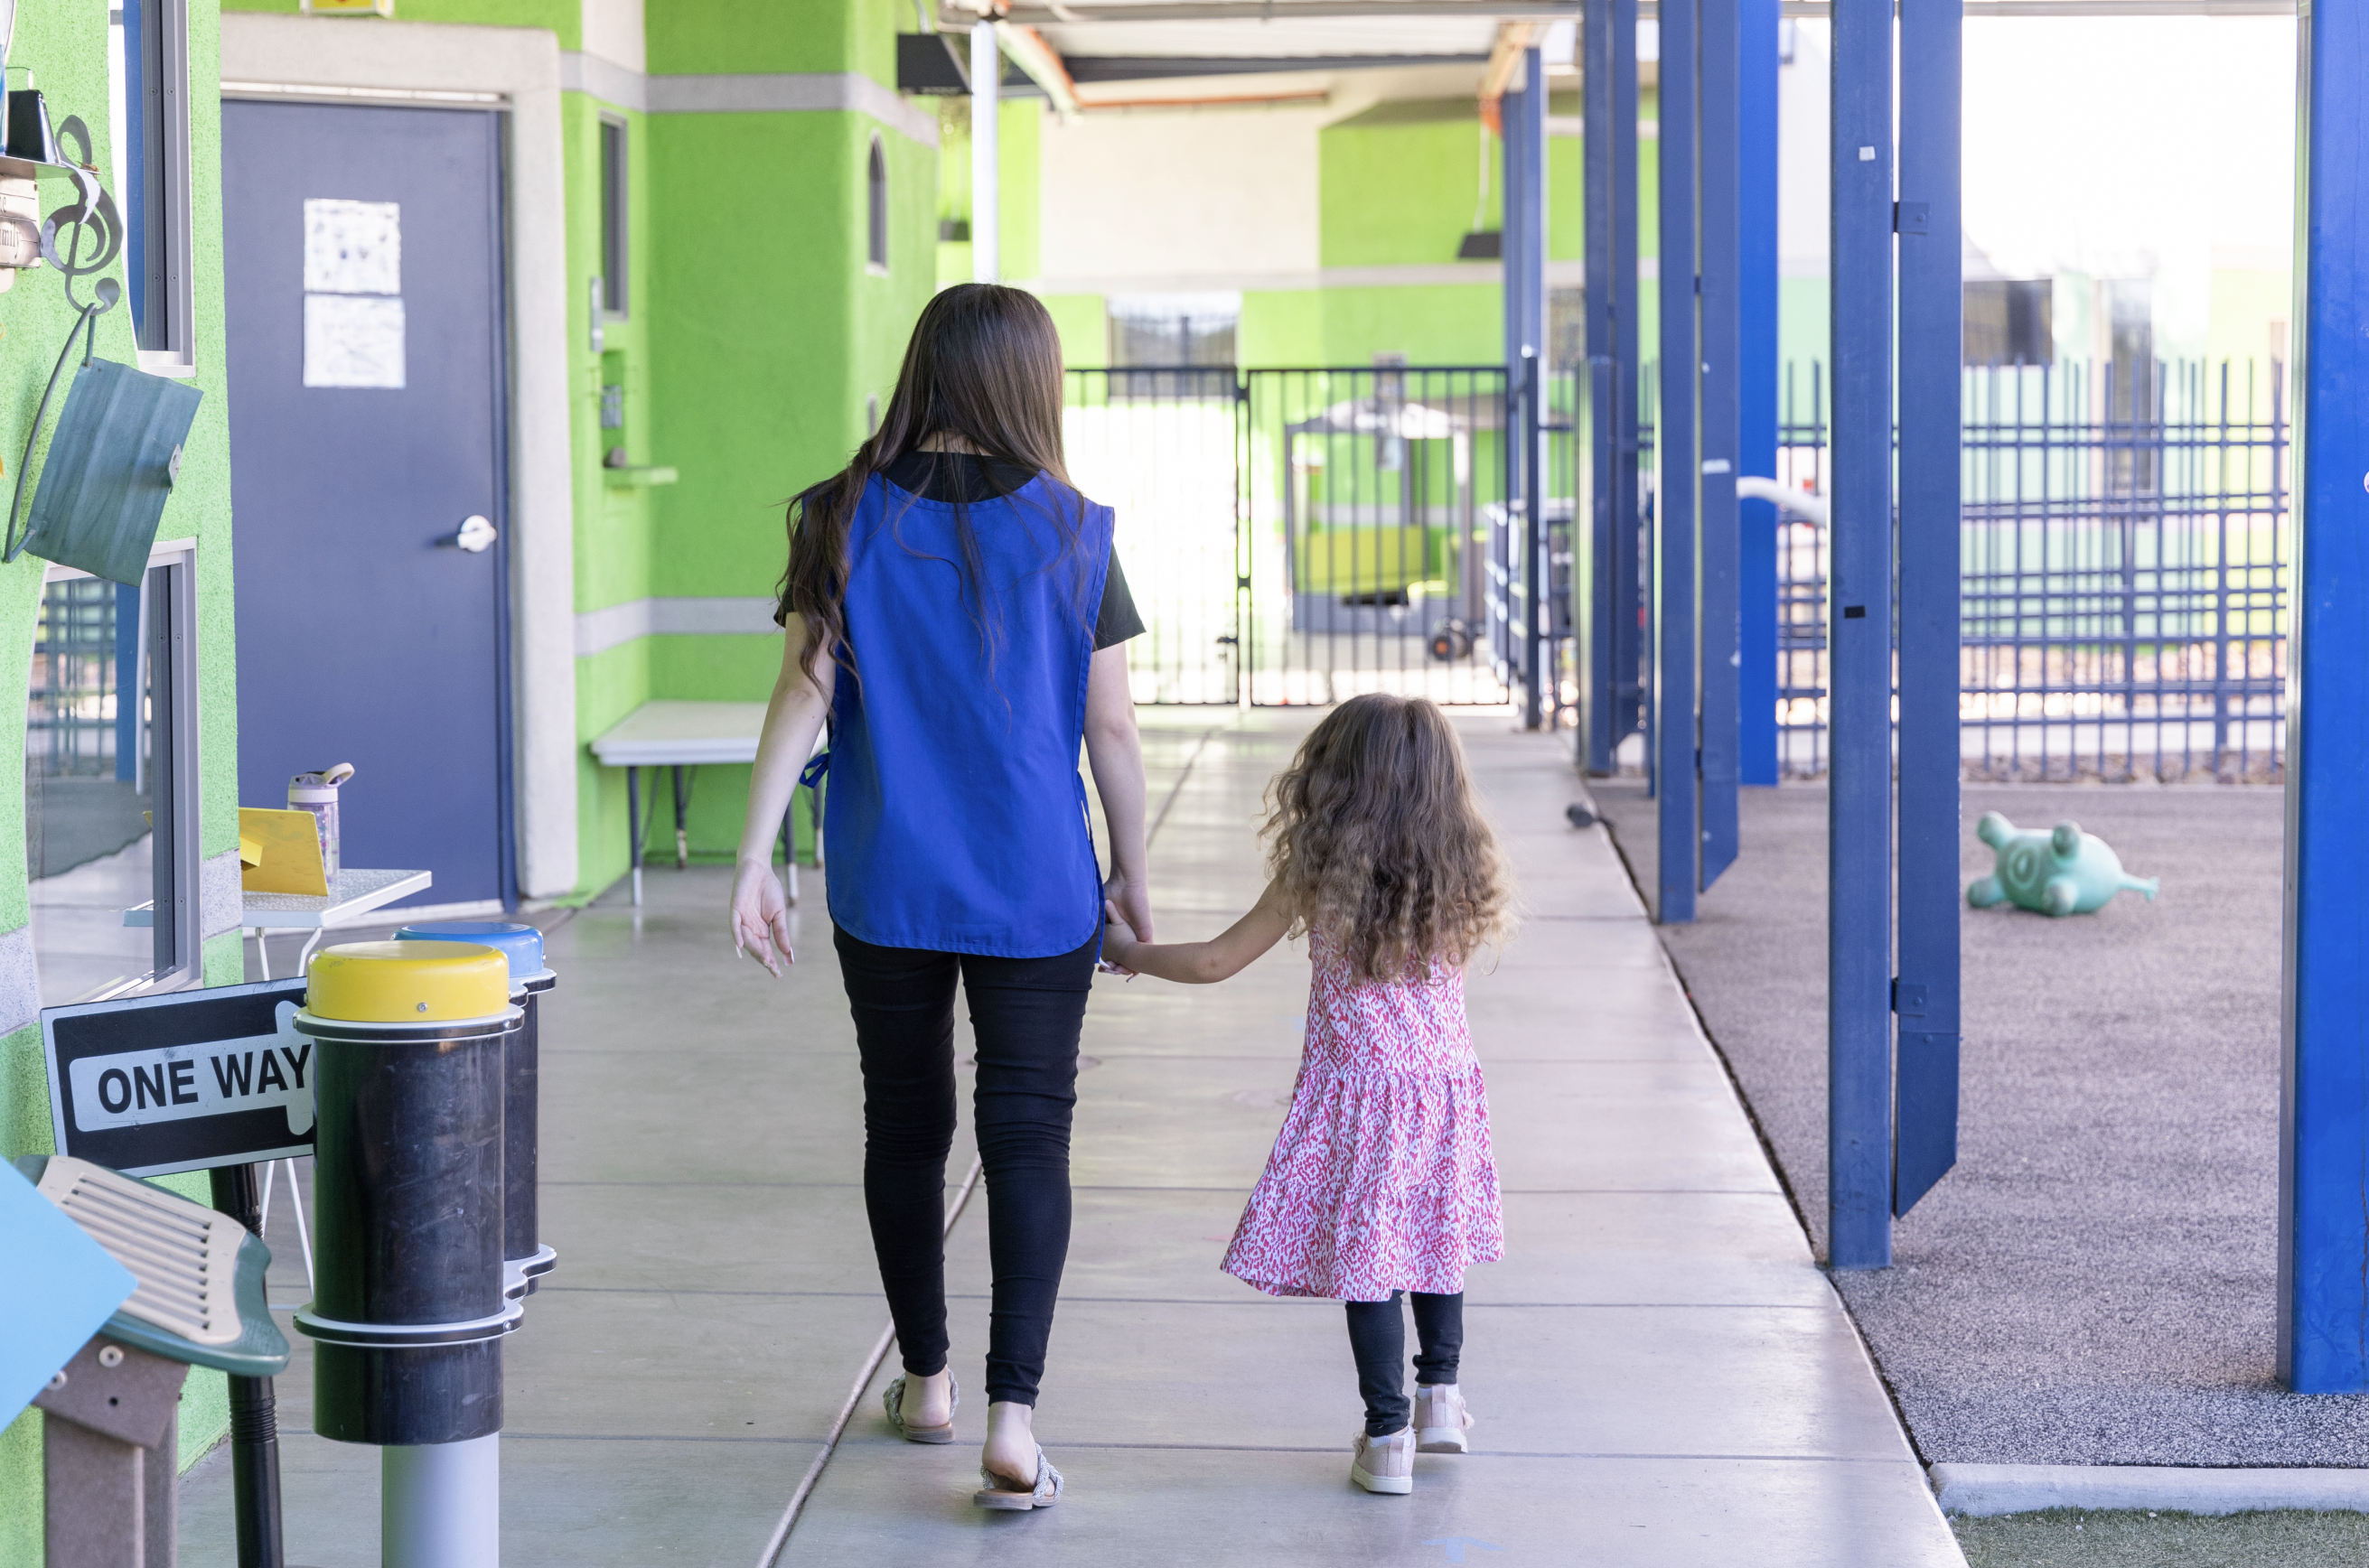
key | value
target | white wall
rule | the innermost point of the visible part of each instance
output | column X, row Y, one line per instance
column 1163, row 200
column 612, row 29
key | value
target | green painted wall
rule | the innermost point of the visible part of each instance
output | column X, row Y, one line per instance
column 562, row 17
column 65, row 44
column 1084, row 322
column 759, row 334
column 1019, row 164
column 1281, row 327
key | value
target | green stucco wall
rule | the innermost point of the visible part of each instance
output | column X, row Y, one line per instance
column 65, row 44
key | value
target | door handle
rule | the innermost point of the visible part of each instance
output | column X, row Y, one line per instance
column 476, row 536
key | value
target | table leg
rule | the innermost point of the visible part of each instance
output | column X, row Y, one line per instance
column 634, row 826
column 681, row 818
column 304, row 959
column 262, row 953
column 790, row 851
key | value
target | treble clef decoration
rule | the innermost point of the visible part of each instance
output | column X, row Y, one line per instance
column 92, row 219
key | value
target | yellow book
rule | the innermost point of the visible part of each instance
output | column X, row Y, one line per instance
column 291, row 859
column 250, row 853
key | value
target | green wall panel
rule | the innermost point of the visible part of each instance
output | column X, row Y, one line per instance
column 1436, row 323
column 1397, row 184
column 1282, row 326
column 733, row 37
column 1084, row 322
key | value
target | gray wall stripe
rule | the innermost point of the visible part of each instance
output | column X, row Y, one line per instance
column 598, row 631
column 842, row 92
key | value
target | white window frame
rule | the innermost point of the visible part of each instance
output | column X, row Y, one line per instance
column 182, row 794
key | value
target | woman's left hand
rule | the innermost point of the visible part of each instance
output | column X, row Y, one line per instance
column 760, row 916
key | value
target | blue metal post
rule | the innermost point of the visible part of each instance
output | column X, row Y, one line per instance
column 1757, row 521
column 1628, row 538
column 1931, row 337
column 1674, row 738
column 2324, row 1099
column 1722, row 325
column 1859, row 632
column 1526, row 280
column 1592, row 542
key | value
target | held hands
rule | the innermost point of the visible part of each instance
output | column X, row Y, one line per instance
column 760, row 917
column 1119, row 941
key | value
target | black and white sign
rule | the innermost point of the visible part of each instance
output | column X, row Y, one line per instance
column 183, row 1081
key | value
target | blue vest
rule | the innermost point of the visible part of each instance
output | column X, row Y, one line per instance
column 956, row 819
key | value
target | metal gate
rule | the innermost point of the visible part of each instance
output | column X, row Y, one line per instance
column 1300, row 536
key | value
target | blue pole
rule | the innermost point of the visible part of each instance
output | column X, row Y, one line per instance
column 1675, row 737
column 1757, row 521
column 1858, row 641
column 1628, row 536
column 128, row 695
column 1538, row 688
column 1723, row 327
column 1931, row 339
column 1598, row 730
column 2324, row 1100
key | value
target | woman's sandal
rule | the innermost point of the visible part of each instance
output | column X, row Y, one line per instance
column 1002, row 1492
column 894, row 1399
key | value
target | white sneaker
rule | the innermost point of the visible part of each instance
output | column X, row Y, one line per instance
column 1440, row 1419
column 1385, row 1464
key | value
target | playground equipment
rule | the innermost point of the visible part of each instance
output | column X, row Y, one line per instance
column 109, row 1475
column 411, row 1297
column 2060, row 871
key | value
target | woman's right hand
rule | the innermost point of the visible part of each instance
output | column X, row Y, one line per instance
column 760, row 916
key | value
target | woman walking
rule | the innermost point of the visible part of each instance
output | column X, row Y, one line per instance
column 953, row 611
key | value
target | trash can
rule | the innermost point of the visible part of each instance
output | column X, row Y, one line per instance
column 108, row 1462
column 523, row 1254
column 409, row 1308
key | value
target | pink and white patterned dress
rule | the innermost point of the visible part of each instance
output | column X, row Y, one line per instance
column 1382, row 1179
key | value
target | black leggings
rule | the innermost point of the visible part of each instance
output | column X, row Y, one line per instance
column 1378, row 1339
column 1025, row 1016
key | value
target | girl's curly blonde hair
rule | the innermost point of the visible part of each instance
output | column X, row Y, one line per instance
column 1375, row 840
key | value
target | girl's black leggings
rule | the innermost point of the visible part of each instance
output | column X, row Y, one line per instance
column 1025, row 1016
column 1377, row 1338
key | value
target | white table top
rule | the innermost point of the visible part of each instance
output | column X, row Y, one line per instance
column 665, row 732
column 352, row 892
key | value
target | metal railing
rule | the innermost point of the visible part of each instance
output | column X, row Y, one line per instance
column 2125, row 536
column 1299, row 536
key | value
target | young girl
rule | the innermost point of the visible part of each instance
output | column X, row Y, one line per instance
column 1382, row 1180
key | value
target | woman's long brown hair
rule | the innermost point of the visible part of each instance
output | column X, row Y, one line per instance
column 1376, row 841
column 984, row 364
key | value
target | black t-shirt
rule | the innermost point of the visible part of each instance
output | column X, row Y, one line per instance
column 961, row 476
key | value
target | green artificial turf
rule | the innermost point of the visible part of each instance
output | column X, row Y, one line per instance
column 2075, row 1538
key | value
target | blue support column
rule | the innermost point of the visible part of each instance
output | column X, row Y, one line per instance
column 1723, row 327
column 1525, row 121
column 1757, row 521
column 1674, row 738
column 1931, row 339
column 1859, row 633
column 1628, row 530
column 2323, row 1344
column 1593, row 535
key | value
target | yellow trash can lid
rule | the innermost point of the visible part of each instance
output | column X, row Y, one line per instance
column 407, row 982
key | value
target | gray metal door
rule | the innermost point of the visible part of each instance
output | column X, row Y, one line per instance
column 362, row 261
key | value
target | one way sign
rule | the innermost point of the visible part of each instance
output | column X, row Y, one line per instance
column 182, row 1081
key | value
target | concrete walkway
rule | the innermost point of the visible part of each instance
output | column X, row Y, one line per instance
column 1661, row 1375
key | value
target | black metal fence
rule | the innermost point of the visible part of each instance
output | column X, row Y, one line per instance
column 2125, row 537
column 1300, row 536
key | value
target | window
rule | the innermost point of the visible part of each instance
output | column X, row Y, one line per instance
column 110, row 784
column 612, row 217
column 1193, row 334
column 875, row 194
column 150, row 70
column 2010, row 323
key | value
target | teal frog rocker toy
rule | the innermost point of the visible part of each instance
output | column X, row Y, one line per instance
column 2062, row 871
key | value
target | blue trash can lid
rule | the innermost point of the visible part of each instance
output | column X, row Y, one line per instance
column 521, row 944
